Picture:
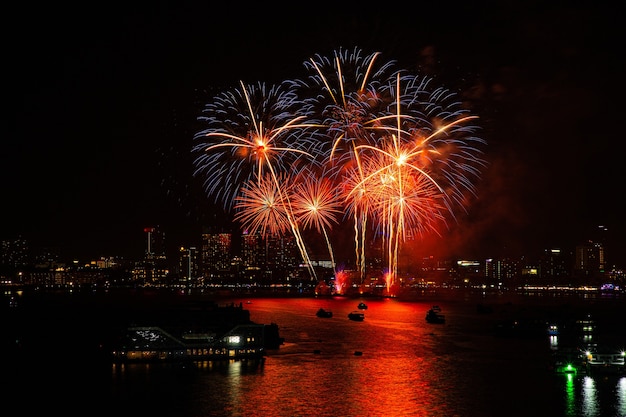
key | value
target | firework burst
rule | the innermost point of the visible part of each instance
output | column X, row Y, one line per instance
column 383, row 146
column 261, row 208
column 417, row 174
column 316, row 205
column 343, row 94
column 250, row 131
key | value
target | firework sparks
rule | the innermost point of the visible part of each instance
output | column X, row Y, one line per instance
column 250, row 131
column 414, row 175
column 382, row 146
column 316, row 205
column 261, row 208
column 344, row 95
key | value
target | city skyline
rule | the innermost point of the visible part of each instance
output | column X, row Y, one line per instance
column 101, row 116
column 265, row 262
column 155, row 244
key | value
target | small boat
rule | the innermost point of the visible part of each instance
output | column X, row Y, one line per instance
column 362, row 306
column 567, row 361
column 356, row 316
column 433, row 316
column 324, row 313
column 553, row 329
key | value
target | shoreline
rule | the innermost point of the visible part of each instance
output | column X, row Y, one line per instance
column 15, row 295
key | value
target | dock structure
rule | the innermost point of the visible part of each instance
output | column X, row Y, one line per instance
column 154, row 344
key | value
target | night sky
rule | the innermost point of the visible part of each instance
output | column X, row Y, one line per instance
column 100, row 105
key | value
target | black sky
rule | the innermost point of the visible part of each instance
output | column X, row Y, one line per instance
column 100, row 104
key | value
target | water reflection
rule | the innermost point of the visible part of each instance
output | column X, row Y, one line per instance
column 595, row 396
column 589, row 397
column 570, row 395
column 554, row 342
column 621, row 397
column 408, row 367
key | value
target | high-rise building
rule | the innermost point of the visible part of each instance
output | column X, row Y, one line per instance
column 14, row 253
column 589, row 261
column 216, row 254
column 188, row 266
column 252, row 251
column 270, row 259
column 555, row 267
column 281, row 254
column 502, row 271
column 153, row 269
column 155, row 242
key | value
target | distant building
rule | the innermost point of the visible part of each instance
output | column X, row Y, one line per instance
column 272, row 259
column 471, row 272
column 188, row 266
column 281, row 257
column 153, row 269
column 252, row 250
column 216, row 255
column 555, row 267
column 14, row 253
column 502, row 271
column 589, row 264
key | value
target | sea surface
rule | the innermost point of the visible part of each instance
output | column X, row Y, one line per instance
column 393, row 363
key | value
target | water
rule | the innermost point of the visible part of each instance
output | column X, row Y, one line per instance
column 391, row 364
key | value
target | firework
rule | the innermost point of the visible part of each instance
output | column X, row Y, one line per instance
column 261, row 208
column 419, row 172
column 343, row 95
column 316, row 205
column 250, row 131
column 382, row 146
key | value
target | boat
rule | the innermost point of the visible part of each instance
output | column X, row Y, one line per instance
column 433, row 316
column 324, row 313
column 356, row 316
column 553, row 329
column 568, row 361
column 362, row 306
column 605, row 360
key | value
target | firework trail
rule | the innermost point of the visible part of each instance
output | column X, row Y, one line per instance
column 402, row 203
column 343, row 94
